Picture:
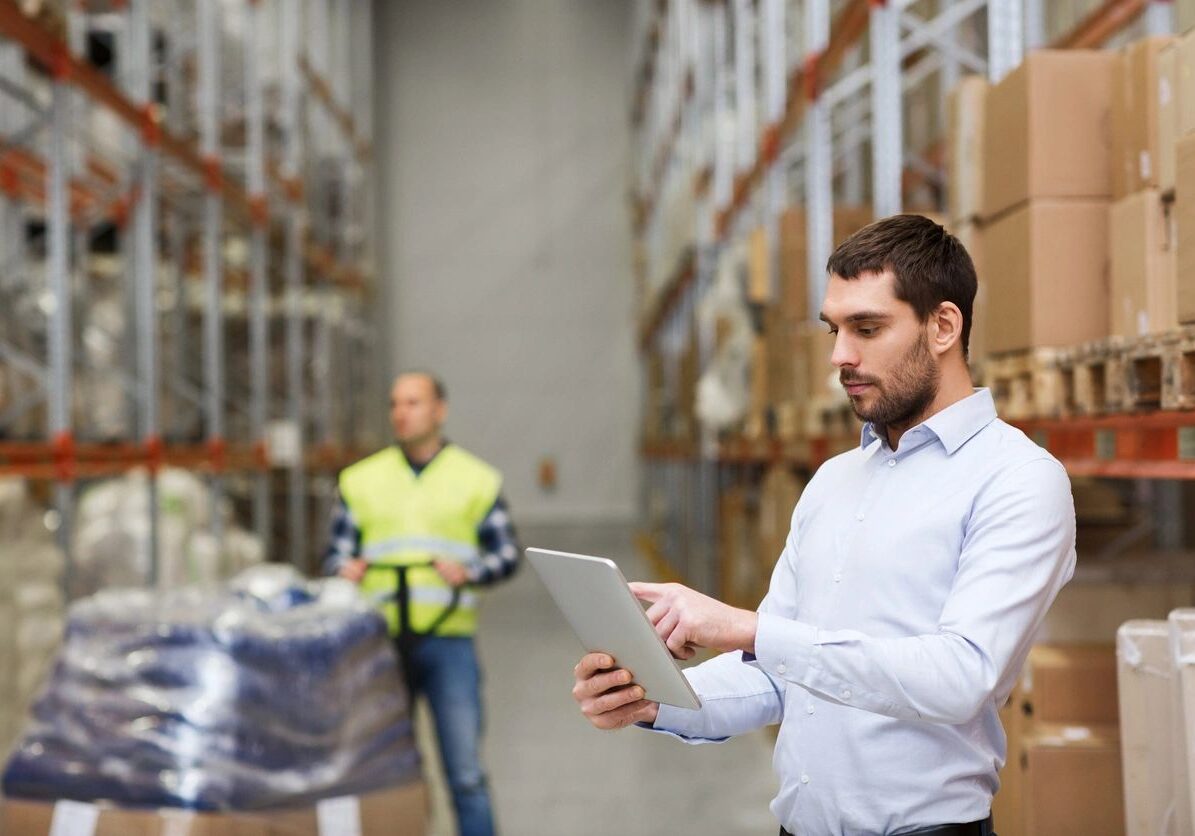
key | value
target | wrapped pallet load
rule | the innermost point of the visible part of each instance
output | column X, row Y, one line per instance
column 1144, row 674
column 268, row 692
column 31, row 605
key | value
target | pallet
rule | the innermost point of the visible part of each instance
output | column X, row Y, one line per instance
column 1099, row 384
column 1030, row 384
column 1160, row 371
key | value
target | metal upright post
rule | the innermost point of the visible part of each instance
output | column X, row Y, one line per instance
column 1005, row 38
column 819, row 160
column 258, row 254
column 1159, row 17
column 1035, row 24
column 59, row 327
column 297, row 481
column 775, row 75
column 744, row 85
column 145, row 266
column 887, row 139
column 722, row 186
column 213, row 266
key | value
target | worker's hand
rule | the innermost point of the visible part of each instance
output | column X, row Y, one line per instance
column 453, row 572
column 685, row 619
column 606, row 695
column 354, row 570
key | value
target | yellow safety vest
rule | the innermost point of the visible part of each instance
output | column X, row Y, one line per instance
column 406, row 519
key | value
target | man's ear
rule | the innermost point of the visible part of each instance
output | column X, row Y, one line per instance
column 946, row 328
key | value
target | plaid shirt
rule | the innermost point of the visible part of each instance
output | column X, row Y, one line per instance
column 496, row 537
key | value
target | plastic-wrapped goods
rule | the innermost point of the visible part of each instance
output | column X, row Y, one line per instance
column 111, row 537
column 1145, row 676
column 1182, row 649
column 269, row 692
column 31, row 605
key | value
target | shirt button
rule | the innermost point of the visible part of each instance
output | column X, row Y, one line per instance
column 891, row 462
column 809, row 709
column 846, row 694
column 781, row 669
column 804, row 778
column 859, row 516
column 837, row 577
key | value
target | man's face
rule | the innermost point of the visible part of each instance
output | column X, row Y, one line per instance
column 881, row 349
column 415, row 412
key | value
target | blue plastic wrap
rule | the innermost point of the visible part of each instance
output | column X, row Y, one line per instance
column 272, row 691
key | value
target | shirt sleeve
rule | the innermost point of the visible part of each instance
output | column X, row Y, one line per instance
column 499, row 547
column 735, row 698
column 344, row 542
column 1018, row 551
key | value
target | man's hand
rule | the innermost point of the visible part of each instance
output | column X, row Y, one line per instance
column 606, row 695
column 354, row 570
column 686, row 619
column 453, row 573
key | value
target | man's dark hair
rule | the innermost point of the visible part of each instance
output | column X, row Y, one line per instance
column 930, row 265
column 437, row 384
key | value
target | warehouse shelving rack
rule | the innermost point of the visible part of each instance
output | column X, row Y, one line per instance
column 805, row 112
column 186, row 154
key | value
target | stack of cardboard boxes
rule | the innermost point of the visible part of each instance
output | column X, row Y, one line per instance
column 1044, row 206
column 1063, row 774
column 1142, row 247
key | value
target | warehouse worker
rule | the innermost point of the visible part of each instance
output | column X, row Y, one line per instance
column 423, row 523
column 916, row 570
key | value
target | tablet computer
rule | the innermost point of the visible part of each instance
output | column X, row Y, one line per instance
column 607, row 617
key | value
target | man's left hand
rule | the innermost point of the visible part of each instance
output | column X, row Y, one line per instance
column 453, row 573
column 685, row 619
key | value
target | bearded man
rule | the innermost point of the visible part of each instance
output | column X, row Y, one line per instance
column 917, row 568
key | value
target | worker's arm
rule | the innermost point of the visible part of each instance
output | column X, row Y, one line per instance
column 498, row 545
column 341, row 557
column 1018, row 551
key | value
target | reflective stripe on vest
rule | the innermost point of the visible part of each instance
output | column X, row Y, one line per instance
column 419, row 545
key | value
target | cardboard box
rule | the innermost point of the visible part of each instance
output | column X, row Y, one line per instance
column 778, row 494
column 759, row 267
column 1184, row 227
column 401, row 811
column 1135, row 105
column 1185, row 72
column 1072, row 783
column 1168, row 104
column 1144, row 682
column 794, row 255
column 1069, row 684
column 1046, row 257
column 964, row 148
column 1142, row 266
column 1047, row 131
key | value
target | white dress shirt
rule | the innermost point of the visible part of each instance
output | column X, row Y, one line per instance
column 897, row 620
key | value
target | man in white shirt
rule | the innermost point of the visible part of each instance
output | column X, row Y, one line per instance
column 916, row 571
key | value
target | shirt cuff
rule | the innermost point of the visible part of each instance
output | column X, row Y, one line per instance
column 784, row 647
column 669, row 717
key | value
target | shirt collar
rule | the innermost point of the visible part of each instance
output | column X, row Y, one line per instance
column 954, row 426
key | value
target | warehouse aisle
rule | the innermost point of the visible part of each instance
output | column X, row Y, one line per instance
column 553, row 774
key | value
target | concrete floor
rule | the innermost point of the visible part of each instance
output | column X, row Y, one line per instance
column 551, row 773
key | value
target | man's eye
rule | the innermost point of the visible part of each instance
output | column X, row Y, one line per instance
column 833, row 331
column 867, row 332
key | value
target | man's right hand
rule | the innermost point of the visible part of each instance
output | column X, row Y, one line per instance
column 354, row 570
column 606, row 695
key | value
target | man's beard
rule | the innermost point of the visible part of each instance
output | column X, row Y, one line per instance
column 906, row 394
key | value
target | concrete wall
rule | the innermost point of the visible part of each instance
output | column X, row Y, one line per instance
column 504, row 244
